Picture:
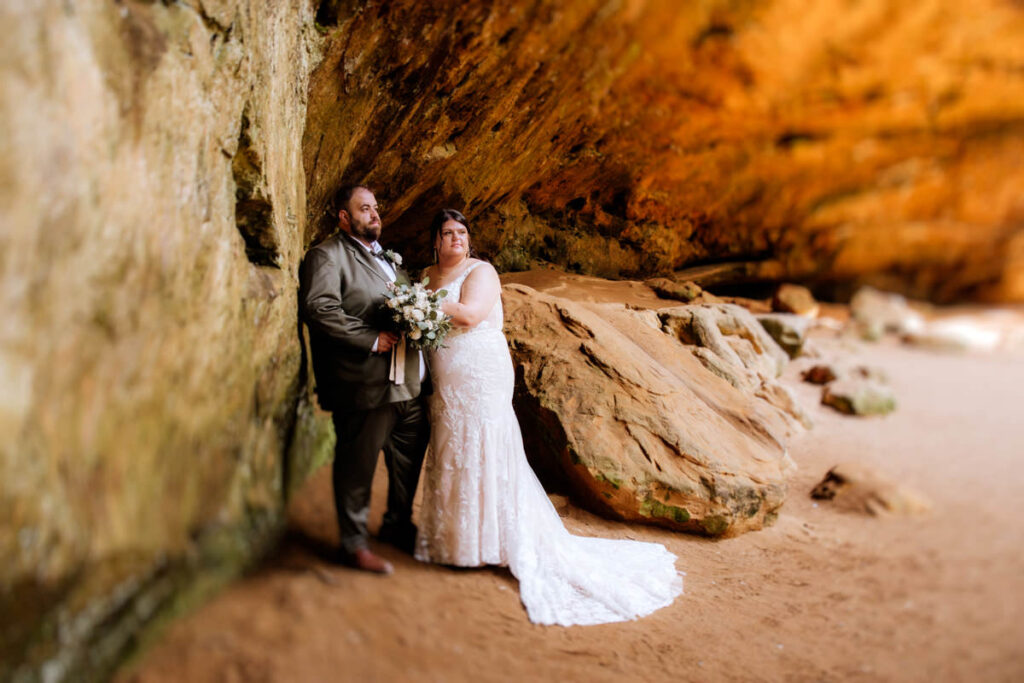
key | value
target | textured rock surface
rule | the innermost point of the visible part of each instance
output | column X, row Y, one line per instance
column 875, row 141
column 152, row 203
column 613, row 404
column 728, row 341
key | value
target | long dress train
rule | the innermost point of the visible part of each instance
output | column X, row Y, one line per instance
column 483, row 504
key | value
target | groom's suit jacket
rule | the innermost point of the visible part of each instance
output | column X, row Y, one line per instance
column 342, row 297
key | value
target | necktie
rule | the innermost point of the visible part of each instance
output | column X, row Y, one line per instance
column 388, row 268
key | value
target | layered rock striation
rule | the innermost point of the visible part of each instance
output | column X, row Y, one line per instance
column 671, row 417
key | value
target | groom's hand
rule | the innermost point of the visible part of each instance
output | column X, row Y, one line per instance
column 386, row 340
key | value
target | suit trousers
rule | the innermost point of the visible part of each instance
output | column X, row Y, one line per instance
column 402, row 431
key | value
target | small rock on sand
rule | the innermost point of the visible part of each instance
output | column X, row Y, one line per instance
column 788, row 330
column 670, row 289
column 823, row 373
column 859, row 396
column 856, row 487
column 875, row 313
column 790, row 298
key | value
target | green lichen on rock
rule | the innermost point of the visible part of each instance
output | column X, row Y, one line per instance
column 608, row 479
column 111, row 609
column 652, row 507
column 312, row 444
column 715, row 525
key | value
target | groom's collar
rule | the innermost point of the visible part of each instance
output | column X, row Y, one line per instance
column 372, row 249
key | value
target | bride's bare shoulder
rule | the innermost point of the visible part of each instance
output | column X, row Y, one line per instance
column 481, row 269
column 483, row 277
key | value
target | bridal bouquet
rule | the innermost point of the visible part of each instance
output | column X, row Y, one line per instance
column 417, row 311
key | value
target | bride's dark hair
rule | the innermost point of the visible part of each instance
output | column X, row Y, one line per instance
column 442, row 217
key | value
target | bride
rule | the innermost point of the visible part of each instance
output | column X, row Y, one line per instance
column 482, row 504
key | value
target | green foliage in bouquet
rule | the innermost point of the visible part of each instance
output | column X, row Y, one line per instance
column 417, row 311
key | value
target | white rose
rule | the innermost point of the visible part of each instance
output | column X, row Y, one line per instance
column 417, row 314
column 407, row 312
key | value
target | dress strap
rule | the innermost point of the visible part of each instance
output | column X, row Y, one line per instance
column 462, row 278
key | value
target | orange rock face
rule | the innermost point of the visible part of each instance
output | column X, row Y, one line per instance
column 836, row 144
column 669, row 417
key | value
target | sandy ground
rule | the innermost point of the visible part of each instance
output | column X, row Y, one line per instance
column 823, row 595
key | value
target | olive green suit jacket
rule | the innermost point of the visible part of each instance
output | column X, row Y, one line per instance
column 342, row 300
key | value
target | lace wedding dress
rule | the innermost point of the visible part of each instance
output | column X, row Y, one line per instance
column 483, row 505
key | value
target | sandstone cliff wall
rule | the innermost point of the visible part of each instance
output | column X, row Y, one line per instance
column 153, row 206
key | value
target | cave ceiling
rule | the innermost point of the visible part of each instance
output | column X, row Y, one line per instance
column 835, row 144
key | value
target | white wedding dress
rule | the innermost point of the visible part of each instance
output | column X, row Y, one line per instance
column 483, row 504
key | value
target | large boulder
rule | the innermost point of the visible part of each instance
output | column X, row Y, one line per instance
column 616, row 405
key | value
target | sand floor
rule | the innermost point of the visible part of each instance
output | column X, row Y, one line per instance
column 823, row 595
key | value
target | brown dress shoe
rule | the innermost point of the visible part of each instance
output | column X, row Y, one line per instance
column 368, row 561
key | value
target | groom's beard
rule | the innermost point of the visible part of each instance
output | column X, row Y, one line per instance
column 368, row 232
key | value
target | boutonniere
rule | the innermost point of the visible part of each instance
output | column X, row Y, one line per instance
column 392, row 257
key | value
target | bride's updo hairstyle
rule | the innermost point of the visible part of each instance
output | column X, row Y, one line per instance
column 442, row 217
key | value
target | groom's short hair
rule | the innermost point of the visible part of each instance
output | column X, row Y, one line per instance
column 343, row 195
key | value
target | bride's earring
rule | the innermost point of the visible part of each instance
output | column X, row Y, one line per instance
column 435, row 254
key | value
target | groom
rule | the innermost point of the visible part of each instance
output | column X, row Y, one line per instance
column 343, row 284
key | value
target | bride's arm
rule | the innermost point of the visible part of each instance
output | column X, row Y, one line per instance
column 479, row 293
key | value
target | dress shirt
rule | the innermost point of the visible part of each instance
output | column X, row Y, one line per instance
column 389, row 270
